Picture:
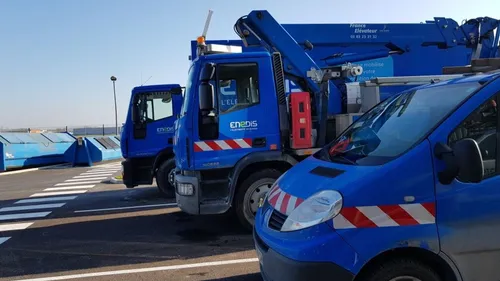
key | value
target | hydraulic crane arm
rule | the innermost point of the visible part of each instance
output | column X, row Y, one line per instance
column 293, row 42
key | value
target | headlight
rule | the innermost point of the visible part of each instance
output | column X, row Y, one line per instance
column 318, row 208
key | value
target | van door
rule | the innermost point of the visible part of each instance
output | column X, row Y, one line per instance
column 468, row 214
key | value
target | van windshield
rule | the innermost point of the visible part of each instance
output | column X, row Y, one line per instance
column 396, row 124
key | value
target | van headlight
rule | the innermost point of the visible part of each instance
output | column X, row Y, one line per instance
column 318, row 208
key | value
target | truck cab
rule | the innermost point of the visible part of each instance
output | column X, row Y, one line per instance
column 147, row 136
column 409, row 191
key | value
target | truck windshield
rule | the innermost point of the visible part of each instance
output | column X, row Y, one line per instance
column 187, row 91
column 395, row 125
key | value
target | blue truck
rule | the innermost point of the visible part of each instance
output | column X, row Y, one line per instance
column 229, row 159
column 147, row 135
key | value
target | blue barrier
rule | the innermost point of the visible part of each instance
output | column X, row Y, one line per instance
column 20, row 150
column 88, row 150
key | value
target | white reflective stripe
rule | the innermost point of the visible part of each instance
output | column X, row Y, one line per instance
column 419, row 213
column 340, row 222
column 242, row 143
column 274, row 192
column 377, row 216
column 222, row 144
column 291, row 205
column 279, row 201
column 203, row 146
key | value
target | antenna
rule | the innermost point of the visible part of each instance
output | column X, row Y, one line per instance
column 201, row 39
column 146, row 80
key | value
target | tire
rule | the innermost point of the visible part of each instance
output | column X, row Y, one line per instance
column 164, row 178
column 403, row 270
column 243, row 198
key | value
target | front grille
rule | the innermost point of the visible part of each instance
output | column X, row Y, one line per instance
column 276, row 220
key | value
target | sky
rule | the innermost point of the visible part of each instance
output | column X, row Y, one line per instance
column 57, row 56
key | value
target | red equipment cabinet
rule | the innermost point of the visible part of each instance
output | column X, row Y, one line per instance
column 300, row 112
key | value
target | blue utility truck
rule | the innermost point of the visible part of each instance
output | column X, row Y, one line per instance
column 230, row 158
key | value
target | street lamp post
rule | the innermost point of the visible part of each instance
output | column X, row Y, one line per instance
column 113, row 78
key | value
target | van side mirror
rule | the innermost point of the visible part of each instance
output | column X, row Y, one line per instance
column 463, row 161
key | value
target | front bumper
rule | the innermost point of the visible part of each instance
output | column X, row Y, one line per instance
column 276, row 267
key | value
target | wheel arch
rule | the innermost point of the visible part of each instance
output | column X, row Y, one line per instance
column 257, row 161
column 162, row 156
column 439, row 262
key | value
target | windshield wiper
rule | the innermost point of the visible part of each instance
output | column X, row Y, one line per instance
column 340, row 155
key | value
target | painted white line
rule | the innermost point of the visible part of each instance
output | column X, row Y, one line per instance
column 140, row 270
column 90, row 176
column 14, row 226
column 50, row 199
column 96, row 174
column 69, row 187
column 24, row 216
column 102, row 171
column 58, row 193
column 124, row 208
column 30, row 170
column 80, row 182
column 90, row 179
column 32, row 207
column 3, row 239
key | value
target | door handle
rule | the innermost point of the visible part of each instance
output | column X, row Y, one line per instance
column 258, row 142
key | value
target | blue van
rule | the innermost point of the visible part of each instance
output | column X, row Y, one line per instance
column 410, row 191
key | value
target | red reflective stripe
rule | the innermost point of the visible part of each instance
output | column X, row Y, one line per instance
column 298, row 202
column 248, row 141
column 284, row 203
column 356, row 218
column 274, row 199
column 197, row 148
column 430, row 207
column 399, row 215
column 212, row 145
column 232, row 144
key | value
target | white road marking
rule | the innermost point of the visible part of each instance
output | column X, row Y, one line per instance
column 14, row 226
column 31, row 169
column 80, row 182
column 58, row 193
column 124, row 208
column 3, row 239
column 96, row 174
column 24, row 216
column 90, row 179
column 140, row 270
column 38, row 200
column 90, row 176
column 32, row 207
column 69, row 187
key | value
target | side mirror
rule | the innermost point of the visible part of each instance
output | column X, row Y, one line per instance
column 463, row 161
column 207, row 72
column 135, row 114
column 206, row 92
column 469, row 161
column 167, row 99
column 176, row 91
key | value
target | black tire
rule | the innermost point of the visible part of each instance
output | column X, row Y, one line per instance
column 403, row 268
column 164, row 172
column 242, row 209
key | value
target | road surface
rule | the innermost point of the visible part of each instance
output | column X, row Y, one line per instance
column 65, row 223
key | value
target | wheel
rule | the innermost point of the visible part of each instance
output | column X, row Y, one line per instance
column 165, row 178
column 249, row 193
column 403, row 270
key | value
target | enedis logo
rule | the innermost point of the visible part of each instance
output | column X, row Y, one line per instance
column 243, row 125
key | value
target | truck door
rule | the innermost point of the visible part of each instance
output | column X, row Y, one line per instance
column 247, row 113
column 468, row 214
column 155, row 130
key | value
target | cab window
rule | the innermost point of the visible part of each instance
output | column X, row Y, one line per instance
column 158, row 105
column 237, row 86
column 481, row 125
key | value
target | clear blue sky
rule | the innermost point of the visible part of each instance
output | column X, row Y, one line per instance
column 56, row 56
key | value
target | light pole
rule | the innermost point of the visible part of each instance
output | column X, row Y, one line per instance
column 113, row 78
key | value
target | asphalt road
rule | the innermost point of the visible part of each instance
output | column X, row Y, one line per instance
column 68, row 223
